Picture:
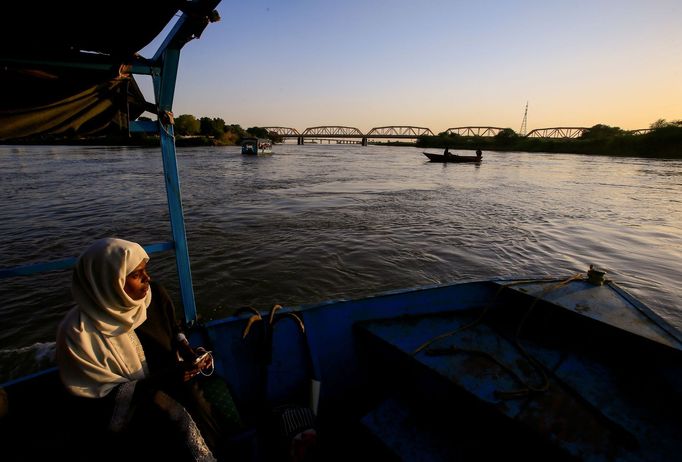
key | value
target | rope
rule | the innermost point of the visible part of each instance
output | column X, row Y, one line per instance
column 537, row 365
column 459, row 329
column 163, row 127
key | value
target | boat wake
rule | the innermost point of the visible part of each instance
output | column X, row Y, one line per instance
column 18, row 362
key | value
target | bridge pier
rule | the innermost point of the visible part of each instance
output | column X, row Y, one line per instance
column 300, row 140
column 364, row 141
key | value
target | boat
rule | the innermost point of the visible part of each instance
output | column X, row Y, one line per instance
column 256, row 146
column 573, row 368
column 455, row 158
column 566, row 368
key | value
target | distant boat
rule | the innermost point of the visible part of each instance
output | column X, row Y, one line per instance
column 256, row 146
column 452, row 158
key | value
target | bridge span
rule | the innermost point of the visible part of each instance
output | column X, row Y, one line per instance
column 474, row 131
column 557, row 132
column 341, row 132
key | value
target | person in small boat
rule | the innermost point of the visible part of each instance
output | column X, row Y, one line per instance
column 479, row 154
column 447, row 153
column 121, row 354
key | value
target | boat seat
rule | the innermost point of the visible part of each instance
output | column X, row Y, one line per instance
column 427, row 414
column 469, row 377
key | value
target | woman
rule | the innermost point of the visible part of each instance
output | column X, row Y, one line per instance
column 119, row 353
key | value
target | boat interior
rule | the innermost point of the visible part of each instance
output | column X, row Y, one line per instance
column 462, row 372
column 540, row 370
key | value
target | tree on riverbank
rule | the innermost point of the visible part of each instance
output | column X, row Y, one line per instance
column 663, row 140
column 215, row 131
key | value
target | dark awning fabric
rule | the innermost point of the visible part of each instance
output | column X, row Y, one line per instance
column 38, row 103
column 46, row 99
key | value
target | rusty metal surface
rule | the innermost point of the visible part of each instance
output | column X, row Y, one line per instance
column 605, row 303
column 596, row 406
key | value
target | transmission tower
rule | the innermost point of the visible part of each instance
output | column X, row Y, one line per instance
column 524, row 127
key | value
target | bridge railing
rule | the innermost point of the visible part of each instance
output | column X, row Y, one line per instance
column 408, row 131
column 474, row 131
column 283, row 131
column 333, row 130
column 399, row 131
column 557, row 132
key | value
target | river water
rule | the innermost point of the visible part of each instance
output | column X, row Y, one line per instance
column 318, row 222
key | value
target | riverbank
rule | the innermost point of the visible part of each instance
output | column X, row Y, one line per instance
column 662, row 143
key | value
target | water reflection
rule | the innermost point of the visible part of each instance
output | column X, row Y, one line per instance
column 311, row 223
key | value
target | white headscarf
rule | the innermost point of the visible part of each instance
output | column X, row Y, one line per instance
column 97, row 348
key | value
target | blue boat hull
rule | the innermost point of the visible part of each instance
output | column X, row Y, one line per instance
column 540, row 369
column 536, row 369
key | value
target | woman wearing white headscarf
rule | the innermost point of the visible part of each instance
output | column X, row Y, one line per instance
column 119, row 345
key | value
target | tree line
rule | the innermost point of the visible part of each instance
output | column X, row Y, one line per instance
column 187, row 125
column 663, row 140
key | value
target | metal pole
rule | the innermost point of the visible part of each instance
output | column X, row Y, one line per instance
column 164, row 85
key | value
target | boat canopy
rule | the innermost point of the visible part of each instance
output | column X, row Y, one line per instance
column 66, row 67
column 69, row 71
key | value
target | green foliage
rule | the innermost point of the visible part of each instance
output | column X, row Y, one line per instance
column 506, row 137
column 662, row 123
column 664, row 140
column 234, row 134
column 275, row 137
column 258, row 132
column 212, row 127
column 601, row 131
column 187, row 125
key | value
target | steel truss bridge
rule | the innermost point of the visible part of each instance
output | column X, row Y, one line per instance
column 340, row 132
column 557, row 132
column 474, row 131
column 344, row 134
column 572, row 132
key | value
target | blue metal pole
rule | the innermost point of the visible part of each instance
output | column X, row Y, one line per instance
column 164, row 85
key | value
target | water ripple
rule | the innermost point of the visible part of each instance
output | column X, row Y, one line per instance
column 318, row 222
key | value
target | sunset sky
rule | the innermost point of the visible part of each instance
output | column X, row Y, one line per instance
column 436, row 63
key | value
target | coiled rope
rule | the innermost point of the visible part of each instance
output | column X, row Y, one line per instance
column 537, row 365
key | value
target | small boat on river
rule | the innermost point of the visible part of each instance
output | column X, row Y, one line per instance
column 569, row 368
column 256, row 146
column 454, row 158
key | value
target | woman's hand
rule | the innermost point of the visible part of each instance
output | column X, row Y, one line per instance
column 193, row 368
column 189, row 371
column 204, row 359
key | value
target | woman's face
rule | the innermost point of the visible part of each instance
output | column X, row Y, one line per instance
column 137, row 282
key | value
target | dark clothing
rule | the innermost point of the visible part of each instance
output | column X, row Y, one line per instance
column 148, row 431
column 158, row 335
